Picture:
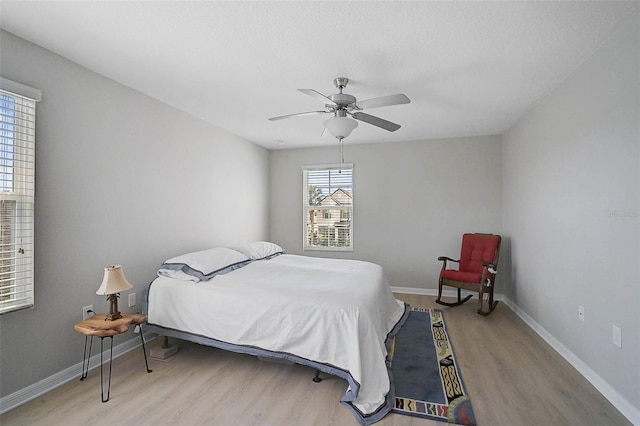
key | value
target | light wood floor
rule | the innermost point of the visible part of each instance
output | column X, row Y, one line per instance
column 512, row 376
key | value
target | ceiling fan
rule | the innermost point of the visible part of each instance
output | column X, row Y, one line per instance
column 343, row 105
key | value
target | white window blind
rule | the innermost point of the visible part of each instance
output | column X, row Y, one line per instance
column 17, row 190
column 328, row 207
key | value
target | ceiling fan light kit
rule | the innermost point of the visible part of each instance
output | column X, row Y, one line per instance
column 340, row 126
column 342, row 105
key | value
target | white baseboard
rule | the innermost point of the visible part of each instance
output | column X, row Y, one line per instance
column 625, row 407
column 434, row 292
column 412, row 290
column 74, row 372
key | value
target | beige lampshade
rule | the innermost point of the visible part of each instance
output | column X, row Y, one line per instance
column 114, row 281
column 340, row 127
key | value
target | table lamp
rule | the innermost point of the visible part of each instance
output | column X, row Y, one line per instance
column 113, row 283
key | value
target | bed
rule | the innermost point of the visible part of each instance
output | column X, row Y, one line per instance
column 335, row 315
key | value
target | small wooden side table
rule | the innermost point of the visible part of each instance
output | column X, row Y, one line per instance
column 99, row 326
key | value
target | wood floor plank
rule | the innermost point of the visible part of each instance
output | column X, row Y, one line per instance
column 511, row 374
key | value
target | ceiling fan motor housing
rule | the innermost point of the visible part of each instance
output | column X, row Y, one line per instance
column 342, row 99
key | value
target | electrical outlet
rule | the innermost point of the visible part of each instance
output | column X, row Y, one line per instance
column 581, row 313
column 617, row 336
column 132, row 299
column 87, row 312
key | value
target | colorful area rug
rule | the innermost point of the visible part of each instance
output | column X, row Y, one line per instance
column 425, row 373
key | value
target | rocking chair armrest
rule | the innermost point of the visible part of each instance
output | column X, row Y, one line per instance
column 444, row 260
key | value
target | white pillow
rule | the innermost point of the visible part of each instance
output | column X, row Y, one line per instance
column 260, row 250
column 203, row 265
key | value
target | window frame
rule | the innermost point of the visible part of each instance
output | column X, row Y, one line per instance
column 17, row 143
column 327, row 210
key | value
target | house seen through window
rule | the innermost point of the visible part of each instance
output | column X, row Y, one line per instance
column 328, row 207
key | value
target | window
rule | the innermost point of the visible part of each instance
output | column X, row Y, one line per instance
column 328, row 207
column 17, row 190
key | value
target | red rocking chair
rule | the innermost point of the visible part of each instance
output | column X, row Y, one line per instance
column 478, row 265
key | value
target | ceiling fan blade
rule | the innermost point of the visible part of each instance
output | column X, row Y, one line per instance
column 383, row 101
column 376, row 121
column 318, row 95
column 300, row 114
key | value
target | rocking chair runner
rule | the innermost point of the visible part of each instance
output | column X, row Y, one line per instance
column 478, row 265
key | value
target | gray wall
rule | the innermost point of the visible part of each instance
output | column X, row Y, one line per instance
column 412, row 201
column 571, row 208
column 120, row 178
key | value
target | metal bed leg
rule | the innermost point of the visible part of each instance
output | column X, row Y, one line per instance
column 101, row 374
column 317, row 378
column 86, row 357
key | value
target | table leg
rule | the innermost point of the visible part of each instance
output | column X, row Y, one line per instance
column 144, row 351
column 101, row 374
column 86, row 357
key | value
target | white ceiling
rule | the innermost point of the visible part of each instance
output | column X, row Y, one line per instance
column 470, row 68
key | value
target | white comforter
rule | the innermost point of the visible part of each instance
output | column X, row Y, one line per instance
column 337, row 312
